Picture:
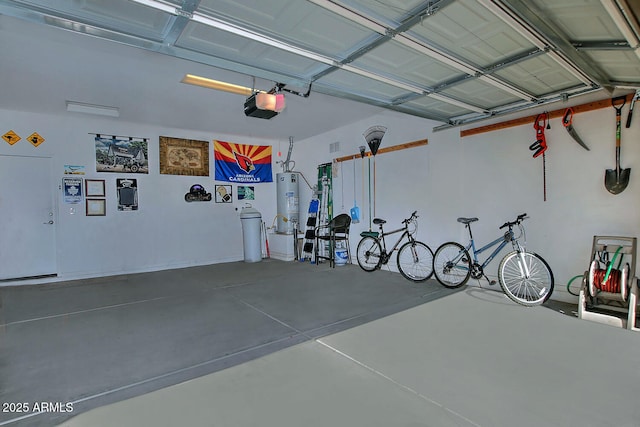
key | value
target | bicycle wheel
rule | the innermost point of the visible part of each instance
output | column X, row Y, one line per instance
column 529, row 291
column 415, row 261
column 452, row 265
column 368, row 253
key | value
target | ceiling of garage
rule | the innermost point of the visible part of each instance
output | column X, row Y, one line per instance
column 453, row 61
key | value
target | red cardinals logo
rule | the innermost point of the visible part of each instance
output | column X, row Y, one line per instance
column 244, row 162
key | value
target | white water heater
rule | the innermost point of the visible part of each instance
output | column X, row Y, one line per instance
column 287, row 201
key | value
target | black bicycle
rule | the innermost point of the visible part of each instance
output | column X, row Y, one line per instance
column 415, row 259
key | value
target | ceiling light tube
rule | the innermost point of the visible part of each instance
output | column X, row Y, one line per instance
column 216, row 84
column 100, row 110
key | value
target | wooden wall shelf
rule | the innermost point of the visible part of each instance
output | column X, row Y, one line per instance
column 386, row 150
column 528, row 120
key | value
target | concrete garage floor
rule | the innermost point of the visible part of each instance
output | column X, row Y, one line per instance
column 292, row 344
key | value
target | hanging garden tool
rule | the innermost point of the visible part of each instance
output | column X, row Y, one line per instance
column 355, row 210
column 540, row 146
column 633, row 103
column 373, row 136
column 616, row 180
column 567, row 121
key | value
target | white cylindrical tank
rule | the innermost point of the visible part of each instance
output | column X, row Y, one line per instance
column 287, row 201
column 251, row 221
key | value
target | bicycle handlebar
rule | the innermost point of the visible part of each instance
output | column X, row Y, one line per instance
column 517, row 221
column 411, row 218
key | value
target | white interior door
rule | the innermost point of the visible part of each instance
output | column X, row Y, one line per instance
column 27, row 218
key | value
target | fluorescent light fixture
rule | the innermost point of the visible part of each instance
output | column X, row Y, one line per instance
column 100, row 110
column 217, row 85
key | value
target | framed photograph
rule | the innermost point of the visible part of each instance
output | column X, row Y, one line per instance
column 224, row 194
column 72, row 190
column 246, row 192
column 121, row 154
column 96, row 207
column 127, row 190
column 184, row 157
column 94, row 187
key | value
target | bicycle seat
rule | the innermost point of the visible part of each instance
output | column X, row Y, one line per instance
column 467, row 220
column 379, row 221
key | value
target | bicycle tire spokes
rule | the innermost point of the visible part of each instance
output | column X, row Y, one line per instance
column 529, row 290
column 369, row 253
column 415, row 261
column 452, row 265
column 525, row 277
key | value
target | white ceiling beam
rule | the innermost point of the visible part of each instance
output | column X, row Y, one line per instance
column 416, row 45
column 456, row 102
column 159, row 5
column 622, row 24
column 383, row 79
column 351, row 16
column 368, row 23
column 534, row 37
column 242, row 32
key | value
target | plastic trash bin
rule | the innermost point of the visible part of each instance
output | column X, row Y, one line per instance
column 340, row 254
column 251, row 221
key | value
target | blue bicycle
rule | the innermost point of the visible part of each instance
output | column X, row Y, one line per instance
column 525, row 277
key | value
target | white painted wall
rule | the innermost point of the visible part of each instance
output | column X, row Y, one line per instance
column 166, row 232
column 493, row 176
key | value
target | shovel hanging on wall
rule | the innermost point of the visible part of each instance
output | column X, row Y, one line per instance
column 616, row 180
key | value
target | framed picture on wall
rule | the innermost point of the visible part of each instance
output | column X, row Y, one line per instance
column 94, row 187
column 96, row 207
column 127, row 190
column 224, row 194
column 184, row 156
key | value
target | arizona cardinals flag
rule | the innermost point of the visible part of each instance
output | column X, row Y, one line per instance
column 242, row 163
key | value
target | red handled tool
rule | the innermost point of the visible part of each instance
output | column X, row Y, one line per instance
column 567, row 122
column 540, row 146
